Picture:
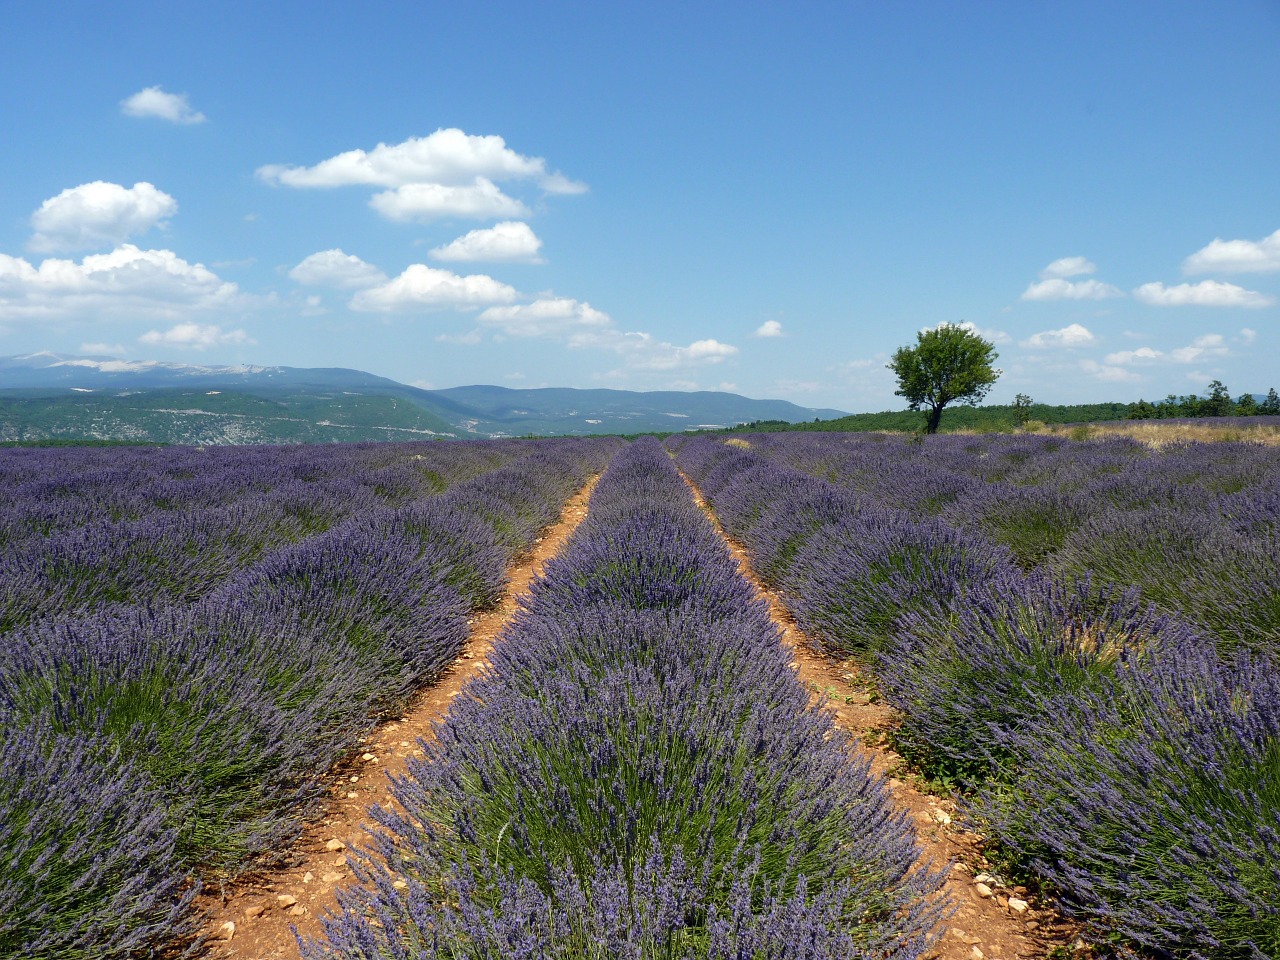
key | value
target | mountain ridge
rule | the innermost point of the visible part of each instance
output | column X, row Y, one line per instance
column 47, row 396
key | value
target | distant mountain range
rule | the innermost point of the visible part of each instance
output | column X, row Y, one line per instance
column 51, row 396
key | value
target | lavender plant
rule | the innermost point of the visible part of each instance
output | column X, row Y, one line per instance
column 1153, row 806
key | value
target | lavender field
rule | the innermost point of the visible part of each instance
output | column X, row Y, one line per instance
column 1080, row 638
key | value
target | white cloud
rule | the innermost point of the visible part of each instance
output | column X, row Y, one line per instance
column 194, row 336
column 551, row 316
column 468, row 339
column 154, row 102
column 481, row 200
column 1247, row 335
column 770, row 328
column 1056, row 288
column 1108, row 373
column 510, row 241
column 1202, row 348
column 422, row 287
column 127, row 282
column 994, row 336
column 641, row 350
column 98, row 214
column 1206, row 293
column 1068, row 267
column 1072, row 335
column 448, row 156
column 1140, row 355
column 1236, row 256
column 335, row 268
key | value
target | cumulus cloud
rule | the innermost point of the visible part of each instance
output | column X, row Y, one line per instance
column 421, row 287
column 481, row 200
column 1072, row 335
column 154, row 102
column 1206, row 293
column 1057, row 288
column 644, row 351
column 994, row 336
column 770, row 328
column 1209, row 346
column 510, row 241
column 1108, row 373
column 1068, row 267
column 98, row 214
column 1140, row 355
column 551, row 316
column 1236, row 256
column 335, row 268
column 126, row 282
column 194, row 336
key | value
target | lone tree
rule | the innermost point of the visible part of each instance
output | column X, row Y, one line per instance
column 948, row 364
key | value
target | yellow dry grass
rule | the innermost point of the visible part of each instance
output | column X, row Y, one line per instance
column 1156, row 433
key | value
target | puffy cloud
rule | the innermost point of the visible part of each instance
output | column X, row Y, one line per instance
column 422, row 287
column 994, row 336
column 552, row 316
column 1206, row 293
column 1057, row 288
column 448, row 156
column 1072, row 335
column 98, row 214
column 1068, row 267
column 334, row 268
column 194, row 336
column 770, row 328
column 1141, row 355
column 1108, row 373
column 510, row 241
column 481, row 200
column 1207, row 347
column 154, row 102
column 1236, row 256
column 126, row 282
column 1247, row 335
column 642, row 350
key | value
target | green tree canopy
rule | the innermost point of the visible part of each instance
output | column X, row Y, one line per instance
column 949, row 364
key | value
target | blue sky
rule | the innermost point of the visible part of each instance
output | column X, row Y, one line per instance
column 765, row 198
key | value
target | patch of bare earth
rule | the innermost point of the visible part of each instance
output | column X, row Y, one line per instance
column 254, row 917
column 991, row 919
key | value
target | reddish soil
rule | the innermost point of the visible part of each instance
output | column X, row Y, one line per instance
column 253, row 918
column 987, row 921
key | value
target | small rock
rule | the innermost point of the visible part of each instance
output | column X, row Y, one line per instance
column 286, row 900
column 298, row 911
column 331, row 877
column 340, row 862
column 942, row 817
column 368, row 756
column 308, row 877
column 982, row 889
column 253, row 913
column 1017, row 905
column 333, row 846
column 976, row 954
column 352, row 795
column 355, row 779
column 984, row 878
column 400, row 884
column 966, row 938
column 228, row 930
column 960, row 867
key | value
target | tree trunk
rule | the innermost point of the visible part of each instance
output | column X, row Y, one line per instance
column 935, row 417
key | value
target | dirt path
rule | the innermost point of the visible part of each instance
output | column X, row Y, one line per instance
column 991, row 920
column 254, row 919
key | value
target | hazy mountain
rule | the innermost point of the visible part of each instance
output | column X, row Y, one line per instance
column 47, row 395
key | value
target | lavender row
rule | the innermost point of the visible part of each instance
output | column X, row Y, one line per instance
column 1110, row 747
column 1194, row 526
column 160, row 746
column 638, row 775
column 51, row 491
column 173, row 556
